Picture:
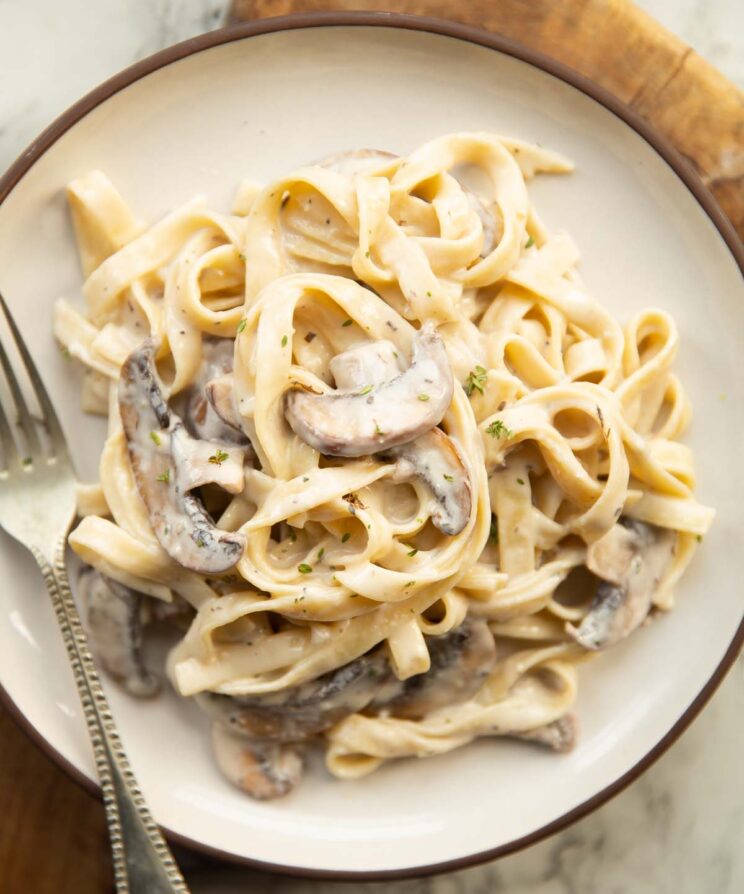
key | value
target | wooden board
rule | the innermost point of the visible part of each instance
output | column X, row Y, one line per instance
column 615, row 44
column 52, row 834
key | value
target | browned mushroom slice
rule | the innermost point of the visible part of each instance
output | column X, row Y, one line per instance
column 460, row 662
column 114, row 621
column 374, row 418
column 202, row 419
column 168, row 463
column 301, row 712
column 434, row 459
column 631, row 560
column 262, row 769
column 221, row 396
column 560, row 735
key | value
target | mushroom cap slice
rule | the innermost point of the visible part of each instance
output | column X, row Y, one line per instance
column 113, row 616
column 220, row 393
column 262, row 769
column 201, row 418
column 298, row 713
column 631, row 559
column 375, row 418
column 434, row 459
column 161, row 459
column 460, row 662
column 560, row 735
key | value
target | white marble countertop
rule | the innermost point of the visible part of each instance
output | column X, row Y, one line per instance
column 680, row 828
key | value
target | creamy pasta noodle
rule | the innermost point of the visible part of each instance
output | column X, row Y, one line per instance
column 376, row 454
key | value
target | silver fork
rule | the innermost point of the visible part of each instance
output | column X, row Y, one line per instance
column 37, row 508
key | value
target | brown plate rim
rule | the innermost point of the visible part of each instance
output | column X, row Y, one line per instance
column 552, row 67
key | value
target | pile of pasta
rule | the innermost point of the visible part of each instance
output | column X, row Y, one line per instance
column 564, row 421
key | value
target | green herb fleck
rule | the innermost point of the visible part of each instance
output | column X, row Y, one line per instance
column 529, row 243
column 520, row 480
column 165, row 476
column 497, row 429
column 410, row 583
column 428, row 294
column 448, row 478
column 242, row 324
column 242, row 257
column 292, row 537
column 155, row 438
column 476, row 380
column 321, row 553
column 304, row 568
column 493, row 534
column 284, row 341
column 345, row 537
column 699, row 538
column 423, row 397
column 66, row 352
column 201, row 543
column 218, row 458
column 26, row 461
column 365, row 390
column 347, row 323
column 366, row 254
column 412, row 553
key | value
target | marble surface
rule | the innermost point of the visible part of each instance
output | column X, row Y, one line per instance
column 680, row 828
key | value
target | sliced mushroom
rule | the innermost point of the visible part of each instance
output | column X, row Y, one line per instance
column 631, row 559
column 114, row 621
column 560, row 735
column 301, row 712
column 435, row 460
column 460, row 662
column 374, row 418
column 432, row 457
column 220, row 393
column 202, row 418
column 168, row 463
column 262, row 769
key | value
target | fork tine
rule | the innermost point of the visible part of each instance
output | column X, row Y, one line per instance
column 49, row 415
column 10, row 451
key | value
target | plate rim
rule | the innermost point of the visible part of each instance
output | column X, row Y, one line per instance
column 506, row 46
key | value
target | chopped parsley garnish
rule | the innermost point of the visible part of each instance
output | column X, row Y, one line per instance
column 201, row 543
column 529, row 243
column 284, row 341
column 423, row 397
column 242, row 324
column 448, row 478
column 321, row 553
column 365, row 390
column 476, row 380
column 378, row 430
column 292, row 537
column 26, row 461
column 410, row 583
column 497, row 429
column 164, row 476
column 412, row 553
column 242, row 257
column 304, row 568
column 347, row 323
column 218, row 458
column 155, row 438
column 345, row 537
column 520, row 480
column 428, row 294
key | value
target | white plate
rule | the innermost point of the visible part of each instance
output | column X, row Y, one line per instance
column 258, row 106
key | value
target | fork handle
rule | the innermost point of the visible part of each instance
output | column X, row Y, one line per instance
column 143, row 863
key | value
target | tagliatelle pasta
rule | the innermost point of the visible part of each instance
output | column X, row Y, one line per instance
column 376, row 446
